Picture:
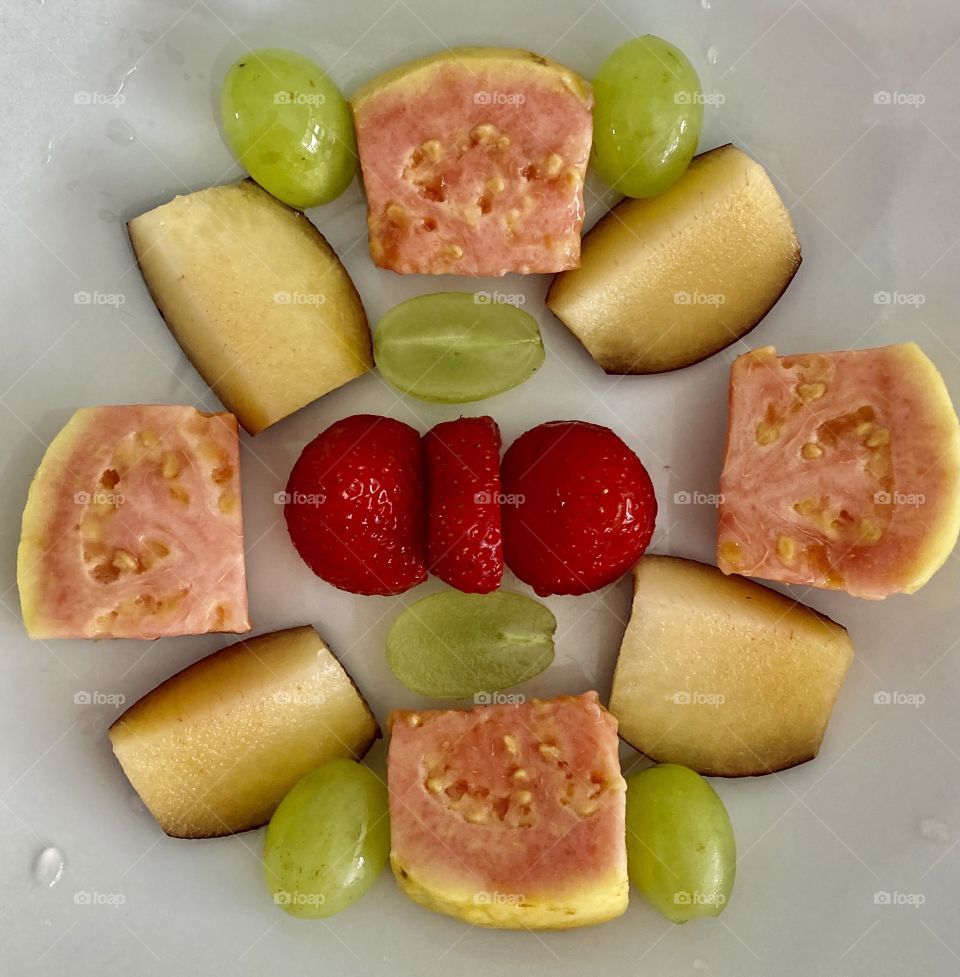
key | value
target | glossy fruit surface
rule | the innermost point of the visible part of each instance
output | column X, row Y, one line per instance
column 647, row 118
column 455, row 347
column 681, row 852
column 667, row 281
column 464, row 544
column 328, row 840
column 355, row 505
column 722, row 675
column 580, row 507
column 289, row 126
column 452, row 645
column 214, row 749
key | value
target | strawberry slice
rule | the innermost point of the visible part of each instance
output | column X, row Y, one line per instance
column 463, row 490
column 581, row 510
column 355, row 506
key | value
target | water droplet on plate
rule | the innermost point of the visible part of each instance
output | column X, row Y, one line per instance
column 713, row 54
column 120, row 132
column 107, row 216
column 103, row 22
column 48, row 868
column 935, row 830
column 73, row 184
column 118, row 78
column 705, row 4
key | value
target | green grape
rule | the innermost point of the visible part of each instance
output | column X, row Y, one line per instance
column 328, row 840
column 647, row 117
column 454, row 347
column 452, row 645
column 680, row 849
column 289, row 126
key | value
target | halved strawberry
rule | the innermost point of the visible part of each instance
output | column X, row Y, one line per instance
column 581, row 510
column 463, row 490
column 355, row 506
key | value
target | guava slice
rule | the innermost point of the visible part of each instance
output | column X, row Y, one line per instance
column 510, row 815
column 473, row 162
column 842, row 470
column 133, row 529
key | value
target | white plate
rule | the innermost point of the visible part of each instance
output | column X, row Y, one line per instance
column 873, row 190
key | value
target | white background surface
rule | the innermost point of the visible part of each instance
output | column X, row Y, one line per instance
column 873, row 192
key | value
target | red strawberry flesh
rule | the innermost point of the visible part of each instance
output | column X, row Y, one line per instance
column 355, row 506
column 463, row 484
column 580, row 507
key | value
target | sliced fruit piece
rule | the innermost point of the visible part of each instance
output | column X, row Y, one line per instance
column 647, row 118
column 328, row 840
column 255, row 296
column 464, row 547
column 579, row 507
column 133, row 529
column 214, row 749
column 454, row 347
column 510, row 816
column 451, row 645
column 667, row 282
column 289, row 126
column 473, row 162
column 842, row 470
column 355, row 506
column 722, row 675
column 681, row 853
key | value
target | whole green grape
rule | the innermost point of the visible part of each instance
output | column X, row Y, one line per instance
column 681, row 853
column 647, row 116
column 455, row 347
column 289, row 126
column 328, row 840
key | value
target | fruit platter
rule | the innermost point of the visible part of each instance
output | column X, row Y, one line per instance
column 494, row 486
